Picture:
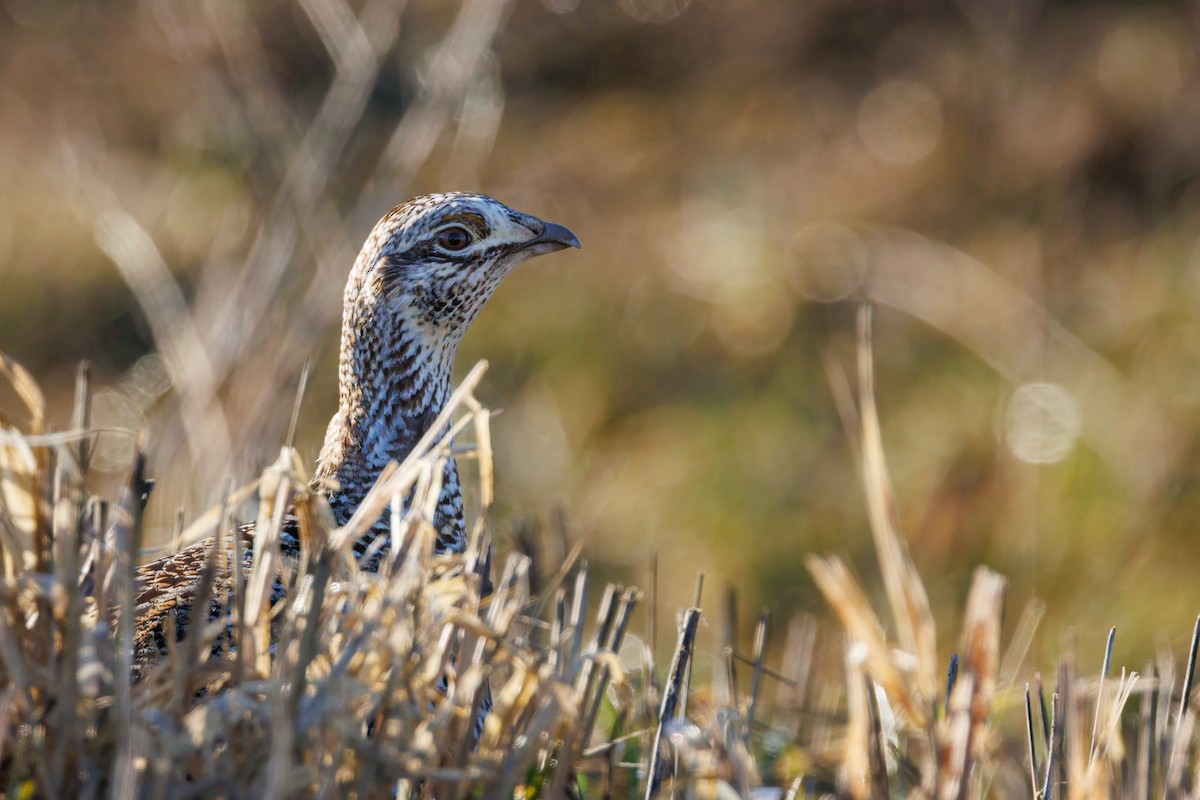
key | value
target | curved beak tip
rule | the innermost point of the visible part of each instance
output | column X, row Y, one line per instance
column 560, row 235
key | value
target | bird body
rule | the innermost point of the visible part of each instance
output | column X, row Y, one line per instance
column 420, row 280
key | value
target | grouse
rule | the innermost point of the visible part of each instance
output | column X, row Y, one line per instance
column 423, row 275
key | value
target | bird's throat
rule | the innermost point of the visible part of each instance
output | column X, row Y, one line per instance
column 394, row 380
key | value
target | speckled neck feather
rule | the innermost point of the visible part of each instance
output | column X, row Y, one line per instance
column 407, row 304
column 393, row 382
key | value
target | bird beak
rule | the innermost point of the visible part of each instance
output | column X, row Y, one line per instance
column 552, row 238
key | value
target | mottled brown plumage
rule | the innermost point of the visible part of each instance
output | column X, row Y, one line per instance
column 422, row 277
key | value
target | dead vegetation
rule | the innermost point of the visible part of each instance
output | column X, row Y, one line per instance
column 369, row 684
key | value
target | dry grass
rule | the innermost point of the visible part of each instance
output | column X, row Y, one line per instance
column 369, row 684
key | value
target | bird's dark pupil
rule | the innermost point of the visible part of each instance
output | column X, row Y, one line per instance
column 453, row 239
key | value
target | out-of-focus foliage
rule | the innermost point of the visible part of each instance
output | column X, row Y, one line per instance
column 1014, row 184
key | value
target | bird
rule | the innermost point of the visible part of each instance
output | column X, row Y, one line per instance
column 422, row 277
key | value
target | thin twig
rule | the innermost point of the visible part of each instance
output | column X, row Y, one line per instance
column 679, row 664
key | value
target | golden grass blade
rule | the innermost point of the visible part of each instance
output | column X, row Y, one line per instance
column 1103, row 769
column 906, row 593
column 27, row 390
column 1018, row 646
column 19, row 501
column 273, row 504
column 964, row 731
column 483, row 453
column 857, row 779
column 850, row 605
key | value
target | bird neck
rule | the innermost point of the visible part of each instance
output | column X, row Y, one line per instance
column 394, row 379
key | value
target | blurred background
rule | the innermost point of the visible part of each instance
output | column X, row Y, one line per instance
column 1013, row 185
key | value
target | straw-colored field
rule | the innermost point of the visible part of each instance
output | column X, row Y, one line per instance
column 1013, row 190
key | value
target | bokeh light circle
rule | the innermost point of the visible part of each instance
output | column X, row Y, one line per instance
column 900, row 121
column 1042, row 422
column 753, row 322
column 827, row 262
column 114, row 410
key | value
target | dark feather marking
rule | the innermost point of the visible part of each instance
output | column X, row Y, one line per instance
column 475, row 222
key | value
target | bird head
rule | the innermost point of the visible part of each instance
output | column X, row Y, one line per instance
column 435, row 260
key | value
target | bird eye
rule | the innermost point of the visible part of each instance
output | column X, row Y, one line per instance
column 453, row 238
